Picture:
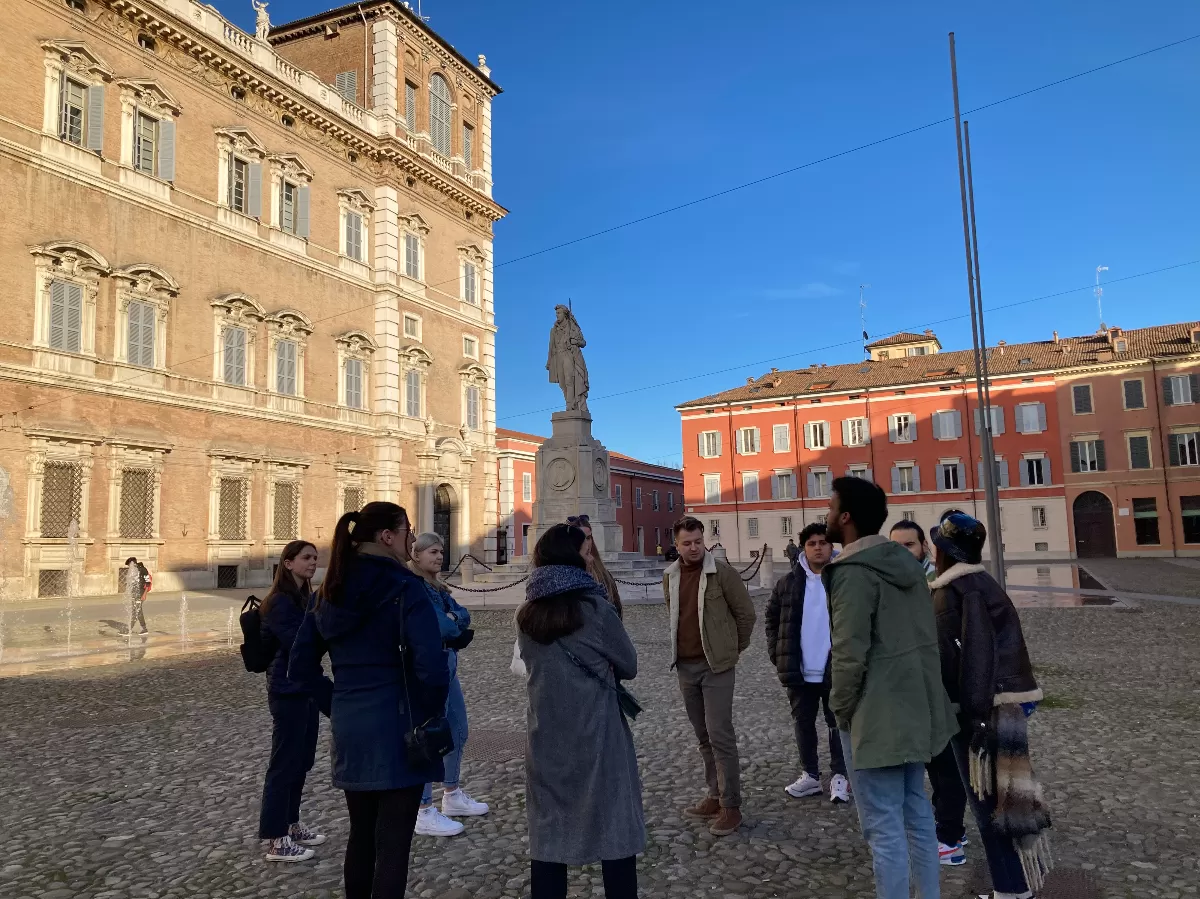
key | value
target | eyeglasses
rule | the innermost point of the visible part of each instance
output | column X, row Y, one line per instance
column 581, row 521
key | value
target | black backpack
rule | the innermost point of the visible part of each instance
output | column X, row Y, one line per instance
column 258, row 649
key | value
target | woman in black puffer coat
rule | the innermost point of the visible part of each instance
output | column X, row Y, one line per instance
column 987, row 673
column 294, row 710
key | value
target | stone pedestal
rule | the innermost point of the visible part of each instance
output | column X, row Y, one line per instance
column 573, row 479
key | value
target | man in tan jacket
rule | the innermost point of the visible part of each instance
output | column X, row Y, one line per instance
column 712, row 619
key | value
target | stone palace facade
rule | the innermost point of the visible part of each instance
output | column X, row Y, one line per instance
column 249, row 287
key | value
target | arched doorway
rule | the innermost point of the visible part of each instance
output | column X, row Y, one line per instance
column 442, row 513
column 1095, row 533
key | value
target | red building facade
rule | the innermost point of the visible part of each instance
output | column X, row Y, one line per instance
column 759, row 459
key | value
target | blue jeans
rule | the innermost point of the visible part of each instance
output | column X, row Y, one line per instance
column 456, row 714
column 1003, row 862
column 295, row 724
column 897, row 822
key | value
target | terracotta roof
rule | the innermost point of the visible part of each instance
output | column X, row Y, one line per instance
column 902, row 337
column 1003, row 361
column 502, row 433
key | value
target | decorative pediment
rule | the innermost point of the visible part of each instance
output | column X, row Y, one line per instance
column 473, row 372
column 292, row 166
column 357, row 199
column 472, row 252
column 150, row 95
column 76, row 57
column 242, row 140
column 147, row 280
column 240, row 307
column 290, row 322
column 71, row 258
column 416, row 355
column 356, row 343
column 415, row 223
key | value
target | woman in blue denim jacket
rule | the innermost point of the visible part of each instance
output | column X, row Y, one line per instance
column 455, row 624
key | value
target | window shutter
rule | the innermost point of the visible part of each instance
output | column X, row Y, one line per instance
column 962, row 476
column 136, row 344
column 1002, row 471
column 895, row 479
column 1082, row 395
column 281, row 381
column 754, row 437
column 235, row 356
column 936, row 418
column 1041, row 416
column 939, row 479
column 979, row 481
column 166, row 150
column 95, row 118
column 845, row 432
column 1194, row 386
column 957, row 423
column 916, row 470
column 302, row 200
column 1021, row 423
column 892, row 428
column 1173, row 449
column 1133, row 394
column 58, row 315
column 1139, row 452
column 997, row 420
column 1046, row 478
column 718, row 443
column 869, row 474
column 410, row 106
column 978, row 419
column 1101, row 463
column 812, row 484
column 739, row 442
column 700, row 445
column 1024, row 473
column 254, row 190
column 808, row 440
column 346, row 84
column 1075, row 465
column 1168, row 398
column 73, row 318
column 774, row 486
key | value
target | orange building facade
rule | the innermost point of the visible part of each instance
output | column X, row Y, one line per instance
column 648, row 498
column 1114, row 472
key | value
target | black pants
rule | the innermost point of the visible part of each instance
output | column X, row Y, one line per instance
column 806, row 701
column 548, row 880
column 949, row 796
column 381, row 832
column 293, row 751
column 1003, row 862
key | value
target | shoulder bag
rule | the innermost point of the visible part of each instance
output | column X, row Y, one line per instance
column 424, row 744
column 626, row 701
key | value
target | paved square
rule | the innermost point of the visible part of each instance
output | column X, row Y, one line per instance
column 143, row 780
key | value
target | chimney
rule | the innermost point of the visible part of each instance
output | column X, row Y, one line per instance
column 1056, row 338
column 773, row 370
column 749, row 381
column 928, row 332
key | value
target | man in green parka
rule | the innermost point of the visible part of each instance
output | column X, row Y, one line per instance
column 887, row 695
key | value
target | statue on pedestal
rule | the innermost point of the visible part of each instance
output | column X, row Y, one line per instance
column 565, row 360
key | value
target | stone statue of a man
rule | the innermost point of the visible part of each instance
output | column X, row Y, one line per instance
column 565, row 360
column 262, row 21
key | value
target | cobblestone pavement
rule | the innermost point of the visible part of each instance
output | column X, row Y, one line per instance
column 143, row 780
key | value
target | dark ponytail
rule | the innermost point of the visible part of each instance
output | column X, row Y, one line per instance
column 354, row 529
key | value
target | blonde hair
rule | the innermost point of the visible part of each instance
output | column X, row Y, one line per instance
column 424, row 542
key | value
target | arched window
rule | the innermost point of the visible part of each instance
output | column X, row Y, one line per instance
column 439, row 114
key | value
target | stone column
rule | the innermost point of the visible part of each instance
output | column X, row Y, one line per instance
column 385, row 73
column 425, row 518
column 766, row 571
column 463, row 537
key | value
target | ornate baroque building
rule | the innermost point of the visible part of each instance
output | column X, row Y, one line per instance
column 249, row 287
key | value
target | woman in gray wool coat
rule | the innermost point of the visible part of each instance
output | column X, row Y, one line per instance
column 583, row 793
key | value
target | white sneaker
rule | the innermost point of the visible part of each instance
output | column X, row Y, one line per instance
column 839, row 789
column 284, row 850
column 805, row 786
column 459, row 804
column 432, row 823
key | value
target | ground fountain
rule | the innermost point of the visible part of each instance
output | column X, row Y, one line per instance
column 183, row 620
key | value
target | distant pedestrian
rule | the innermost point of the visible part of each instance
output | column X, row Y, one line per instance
column 369, row 608
column 792, row 551
column 987, row 672
column 583, row 791
column 949, row 796
column 295, row 710
column 455, row 624
column 798, row 642
column 712, row 620
column 137, row 585
column 887, row 693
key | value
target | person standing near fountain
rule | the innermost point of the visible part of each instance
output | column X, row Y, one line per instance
column 137, row 584
column 455, row 623
column 295, row 710
column 390, row 674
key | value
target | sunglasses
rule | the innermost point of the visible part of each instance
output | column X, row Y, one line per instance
column 581, row 521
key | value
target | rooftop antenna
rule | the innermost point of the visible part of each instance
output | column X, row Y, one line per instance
column 862, row 314
column 1100, row 293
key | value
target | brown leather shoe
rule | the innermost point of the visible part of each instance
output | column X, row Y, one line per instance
column 705, row 808
column 729, row 820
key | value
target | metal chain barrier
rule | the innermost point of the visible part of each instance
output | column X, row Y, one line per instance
column 487, row 589
column 460, row 561
column 755, row 564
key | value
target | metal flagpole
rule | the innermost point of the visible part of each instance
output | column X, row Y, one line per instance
column 982, row 393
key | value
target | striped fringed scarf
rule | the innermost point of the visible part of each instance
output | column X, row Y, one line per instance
column 1001, row 766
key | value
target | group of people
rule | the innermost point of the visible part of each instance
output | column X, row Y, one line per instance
column 906, row 680
column 919, row 665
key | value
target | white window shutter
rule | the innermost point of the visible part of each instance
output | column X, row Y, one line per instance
column 892, row 428
column 166, row 150
column 997, row 420
column 700, row 445
column 281, row 381
column 845, row 432
column 95, row 118
column 738, row 442
column 302, row 201
column 254, row 190
column 73, row 321
column 718, row 443
column 757, row 441
column 808, row 435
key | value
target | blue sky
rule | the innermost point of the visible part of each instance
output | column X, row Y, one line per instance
column 615, row 111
